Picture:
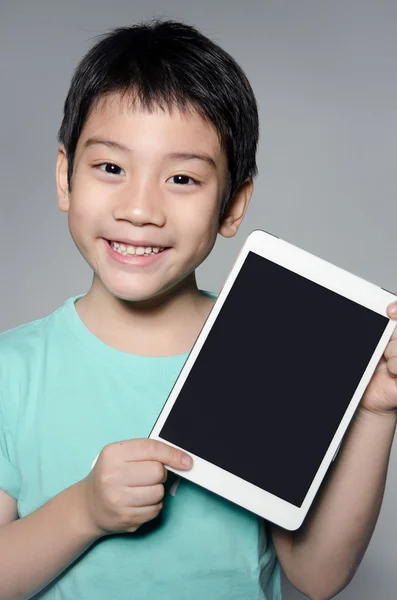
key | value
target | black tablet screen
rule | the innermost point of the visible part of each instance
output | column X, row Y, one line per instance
column 274, row 378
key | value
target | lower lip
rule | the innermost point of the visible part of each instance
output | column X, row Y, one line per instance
column 135, row 260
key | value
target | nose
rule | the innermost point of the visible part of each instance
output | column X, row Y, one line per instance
column 141, row 204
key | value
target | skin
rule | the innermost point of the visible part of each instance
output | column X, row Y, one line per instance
column 322, row 556
column 140, row 200
column 160, row 307
column 125, row 488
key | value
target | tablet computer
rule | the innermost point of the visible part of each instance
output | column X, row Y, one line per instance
column 274, row 378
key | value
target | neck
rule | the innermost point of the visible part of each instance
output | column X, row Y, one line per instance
column 160, row 326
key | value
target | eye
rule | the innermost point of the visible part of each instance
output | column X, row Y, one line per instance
column 183, row 180
column 110, row 168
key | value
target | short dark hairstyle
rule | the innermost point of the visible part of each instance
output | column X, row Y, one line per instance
column 166, row 64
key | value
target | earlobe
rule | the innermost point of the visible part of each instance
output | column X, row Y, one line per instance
column 61, row 175
column 237, row 209
column 228, row 227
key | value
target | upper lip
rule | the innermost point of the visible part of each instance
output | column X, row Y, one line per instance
column 128, row 242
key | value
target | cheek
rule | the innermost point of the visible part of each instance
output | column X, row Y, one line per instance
column 201, row 228
column 207, row 219
column 87, row 200
column 78, row 220
column 84, row 213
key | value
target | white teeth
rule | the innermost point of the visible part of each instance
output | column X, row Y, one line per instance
column 126, row 250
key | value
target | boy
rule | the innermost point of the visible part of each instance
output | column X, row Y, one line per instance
column 156, row 156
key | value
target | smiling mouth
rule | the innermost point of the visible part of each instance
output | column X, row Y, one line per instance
column 127, row 250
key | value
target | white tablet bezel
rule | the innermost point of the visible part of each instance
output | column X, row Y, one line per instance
column 330, row 276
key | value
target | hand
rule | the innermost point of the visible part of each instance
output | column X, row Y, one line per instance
column 125, row 488
column 381, row 394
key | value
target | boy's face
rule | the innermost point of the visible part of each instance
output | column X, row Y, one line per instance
column 162, row 189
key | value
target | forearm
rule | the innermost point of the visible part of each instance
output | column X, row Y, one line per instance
column 332, row 541
column 37, row 548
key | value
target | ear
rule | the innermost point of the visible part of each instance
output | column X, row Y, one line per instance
column 237, row 208
column 61, row 175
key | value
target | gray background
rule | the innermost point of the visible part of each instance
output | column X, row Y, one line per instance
column 324, row 73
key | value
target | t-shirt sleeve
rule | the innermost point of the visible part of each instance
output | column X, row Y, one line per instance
column 9, row 474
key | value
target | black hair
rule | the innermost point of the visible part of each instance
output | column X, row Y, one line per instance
column 166, row 64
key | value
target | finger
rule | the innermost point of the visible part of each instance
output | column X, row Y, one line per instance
column 142, row 514
column 150, row 512
column 145, row 496
column 147, row 449
column 392, row 366
column 146, row 472
column 394, row 334
column 391, row 349
column 392, row 310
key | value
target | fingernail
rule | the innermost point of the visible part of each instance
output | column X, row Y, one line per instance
column 186, row 460
column 393, row 308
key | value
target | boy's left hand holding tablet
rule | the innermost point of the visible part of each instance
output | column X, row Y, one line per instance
column 344, row 514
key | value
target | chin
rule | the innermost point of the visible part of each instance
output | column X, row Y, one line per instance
column 144, row 288
column 135, row 295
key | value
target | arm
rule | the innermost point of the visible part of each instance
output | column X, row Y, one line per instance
column 8, row 508
column 42, row 544
column 321, row 557
column 124, row 490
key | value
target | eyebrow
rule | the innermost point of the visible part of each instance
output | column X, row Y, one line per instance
column 93, row 141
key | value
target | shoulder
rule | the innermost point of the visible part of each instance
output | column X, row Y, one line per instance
column 21, row 344
column 19, row 333
column 23, row 351
column 19, row 338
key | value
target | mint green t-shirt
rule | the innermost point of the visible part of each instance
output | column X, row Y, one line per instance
column 64, row 395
